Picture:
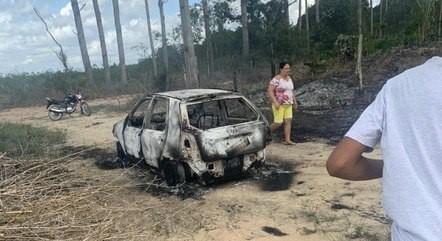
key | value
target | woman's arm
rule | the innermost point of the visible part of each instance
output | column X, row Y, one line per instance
column 271, row 95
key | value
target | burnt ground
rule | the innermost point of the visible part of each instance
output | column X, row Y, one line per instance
column 290, row 198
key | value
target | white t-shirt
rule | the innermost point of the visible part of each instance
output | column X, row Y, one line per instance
column 406, row 117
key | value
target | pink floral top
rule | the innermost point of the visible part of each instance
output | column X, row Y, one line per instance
column 283, row 90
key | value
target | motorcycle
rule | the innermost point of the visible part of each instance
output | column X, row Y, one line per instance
column 56, row 108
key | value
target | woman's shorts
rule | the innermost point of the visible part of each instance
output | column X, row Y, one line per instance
column 283, row 112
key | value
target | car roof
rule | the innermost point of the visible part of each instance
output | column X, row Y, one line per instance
column 193, row 94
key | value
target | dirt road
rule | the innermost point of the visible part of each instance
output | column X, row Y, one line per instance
column 293, row 198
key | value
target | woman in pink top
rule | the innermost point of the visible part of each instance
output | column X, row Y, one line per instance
column 280, row 92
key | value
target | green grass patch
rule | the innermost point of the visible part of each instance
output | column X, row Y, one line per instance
column 25, row 141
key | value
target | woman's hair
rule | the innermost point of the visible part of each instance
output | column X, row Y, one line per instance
column 282, row 64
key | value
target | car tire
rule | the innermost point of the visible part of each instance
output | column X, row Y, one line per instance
column 121, row 155
column 174, row 173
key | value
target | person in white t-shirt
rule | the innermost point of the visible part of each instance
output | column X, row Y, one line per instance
column 406, row 118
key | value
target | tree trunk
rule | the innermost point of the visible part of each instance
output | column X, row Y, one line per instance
column 82, row 41
column 317, row 11
column 285, row 6
column 359, row 64
column 209, row 44
column 120, row 41
column 300, row 15
column 164, row 45
column 189, row 51
column 307, row 26
column 107, row 75
column 440, row 19
column 371, row 18
column 245, row 33
column 381, row 18
column 152, row 48
column 60, row 55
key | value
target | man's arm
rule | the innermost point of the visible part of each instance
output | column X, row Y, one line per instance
column 346, row 161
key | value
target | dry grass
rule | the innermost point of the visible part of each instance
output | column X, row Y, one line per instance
column 44, row 200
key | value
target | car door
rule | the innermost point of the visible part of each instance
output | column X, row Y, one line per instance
column 134, row 127
column 153, row 136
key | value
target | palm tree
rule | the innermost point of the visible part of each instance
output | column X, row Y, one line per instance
column 371, row 17
column 82, row 41
column 120, row 41
column 107, row 75
column 307, row 26
column 359, row 64
column 245, row 33
column 190, row 60
column 152, row 49
column 300, row 15
column 164, row 44
column 209, row 44
column 440, row 19
column 317, row 11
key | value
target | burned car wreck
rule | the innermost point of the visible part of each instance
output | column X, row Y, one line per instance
column 202, row 133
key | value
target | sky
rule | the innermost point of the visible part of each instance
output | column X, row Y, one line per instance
column 26, row 47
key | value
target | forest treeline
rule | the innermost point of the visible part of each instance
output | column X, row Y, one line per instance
column 217, row 42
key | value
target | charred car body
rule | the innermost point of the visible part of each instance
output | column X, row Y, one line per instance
column 205, row 133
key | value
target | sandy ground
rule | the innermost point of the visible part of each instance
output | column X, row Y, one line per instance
column 300, row 203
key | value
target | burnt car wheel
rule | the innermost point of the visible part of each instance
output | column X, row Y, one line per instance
column 174, row 173
column 121, row 156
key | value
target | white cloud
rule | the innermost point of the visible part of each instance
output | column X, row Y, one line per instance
column 5, row 18
column 28, row 61
column 66, row 10
column 133, row 22
column 64, row 32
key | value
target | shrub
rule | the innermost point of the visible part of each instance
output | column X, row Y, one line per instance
column 20, row 140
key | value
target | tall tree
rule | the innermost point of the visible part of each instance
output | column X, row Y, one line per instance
column 307, row 26
column 164, row 45
column 381, row 17
column 190, row 60
column 152, row 48
column 440, row 19
column 359, row 60
column 300, row 15
column 209, row 43
column 318, row 17
column 82, row 41
column 107, row 75
column 426, row 11
column 371, row 17
column 245, row 33
column 285, row 7
column 120, row 41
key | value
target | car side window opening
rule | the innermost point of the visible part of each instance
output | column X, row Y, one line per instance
column 159, row 114
column 137, row 118
column 218, row 113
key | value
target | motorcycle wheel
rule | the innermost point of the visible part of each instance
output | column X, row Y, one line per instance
column 55, row 116
column 85, row 110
